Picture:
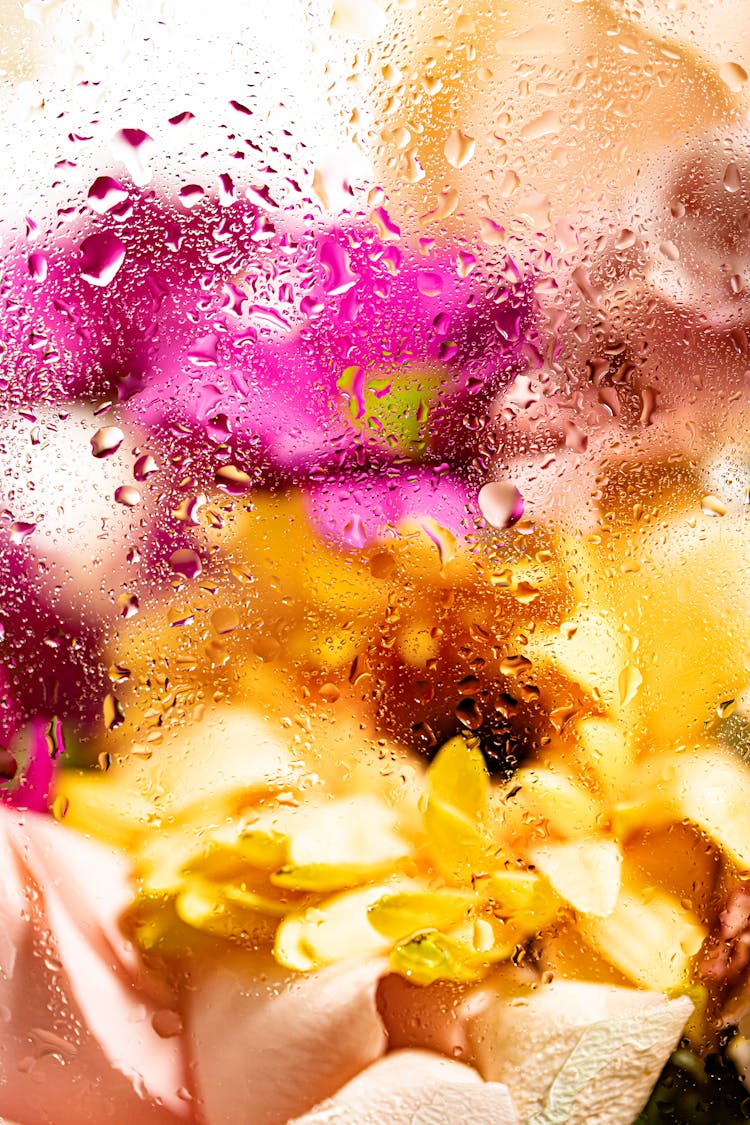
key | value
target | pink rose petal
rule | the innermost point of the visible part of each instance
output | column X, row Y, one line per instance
column 410, row 1087
column 77, row 1046
column 268, row 1045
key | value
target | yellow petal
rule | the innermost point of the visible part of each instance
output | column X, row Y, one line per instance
column 325, row 877
column 586, row 873
column 432, row 956
column 396, row 916
column 455, row 815
column 521, row 894
column 336, row 929
column 650, row 937
column 545, row 802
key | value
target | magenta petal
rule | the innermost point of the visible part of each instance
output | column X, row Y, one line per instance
column 37, row 769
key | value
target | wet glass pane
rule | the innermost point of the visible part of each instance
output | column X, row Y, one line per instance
column 374, row 614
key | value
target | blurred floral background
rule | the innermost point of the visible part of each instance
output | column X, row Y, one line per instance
column 373, row 529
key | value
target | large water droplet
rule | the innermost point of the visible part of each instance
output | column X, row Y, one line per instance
column 144, row 467
column 133, row 147
column 232, row 480
column 186, row 562
column 459, row 148
column 107, row 441
column 203, row 352
column 127, row 495
column 733, row 75
column 106, row 193
column 101, row 257
column 500, row 503
column 335, row 261
column 38, row 265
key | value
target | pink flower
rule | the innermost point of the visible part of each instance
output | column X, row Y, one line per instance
column 78, row 1041
column 306, row 353
column 91, row 1036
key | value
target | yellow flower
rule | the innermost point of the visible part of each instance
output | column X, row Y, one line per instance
column 311, row 832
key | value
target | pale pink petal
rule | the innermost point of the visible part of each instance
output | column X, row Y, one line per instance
column 415, row 1088
column 430, row 1017
column 268, row 1045
column 585, row 1054
column 76, row 1040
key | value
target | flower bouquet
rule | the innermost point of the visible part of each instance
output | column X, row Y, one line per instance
column 373, row 639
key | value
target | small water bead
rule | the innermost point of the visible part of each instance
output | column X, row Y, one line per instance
column 501, row 504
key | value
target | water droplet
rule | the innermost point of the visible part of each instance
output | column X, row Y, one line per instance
column 203, row 352
column 232, row 480
column 713, row 506
column 733, row 75
column 133, row 147
column 629, row 680
column 107, row 441
column 127, row 605
column 334, row 259
column 191, row 194
column 469, row 714
column 55, row 738
column 167, row 1023
column 225, row 620
column 20, row 531
column 547, row 124
column 429, row 284
column 127, row 495
column 187, row 510
column 329, row 693
column 186, row 562
column 227, row 192
column 670, row 251
column 102, row 256
column 118, row 673
column 112, row 711
column 500, row 503
column 8, row 765
column 459, row 148
column 106, row 193
column 732, row 179
column 575, row 438
column 37, row 263
column 144, row 467
column 625, row 239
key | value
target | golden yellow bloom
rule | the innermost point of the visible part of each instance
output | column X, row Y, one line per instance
column 603, row 849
